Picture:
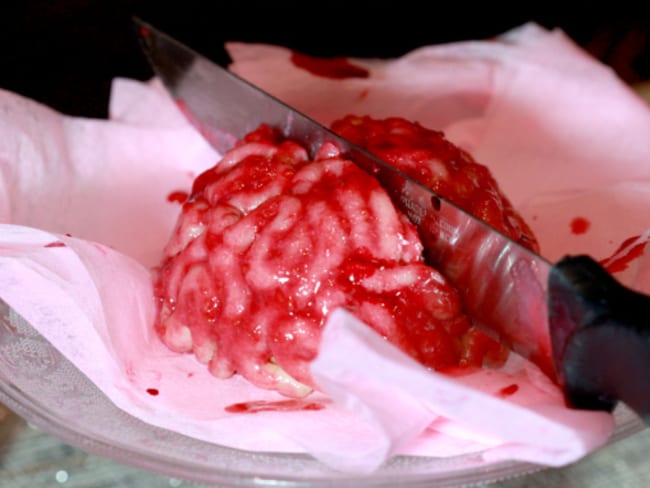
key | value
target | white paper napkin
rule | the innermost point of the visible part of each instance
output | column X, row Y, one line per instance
column 86, row 210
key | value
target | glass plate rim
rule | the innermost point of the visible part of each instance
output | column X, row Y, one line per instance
column 32, row 411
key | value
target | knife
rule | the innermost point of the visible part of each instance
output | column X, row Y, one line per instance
column 572, row 318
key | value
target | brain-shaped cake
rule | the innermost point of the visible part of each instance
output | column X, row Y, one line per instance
column 271, row 241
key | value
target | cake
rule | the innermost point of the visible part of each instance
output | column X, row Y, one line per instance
column 272, row 239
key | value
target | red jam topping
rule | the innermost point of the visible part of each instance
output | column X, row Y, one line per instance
column 429, row 158
column 509, row 390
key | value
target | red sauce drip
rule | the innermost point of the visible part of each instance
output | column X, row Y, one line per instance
column 580, row 225
column 177, row 197
column 506, row 391
column 333, row 68
column 153, row 391
column 55, row 244
column 622, row 262
column 424, row 155
column 279, row 406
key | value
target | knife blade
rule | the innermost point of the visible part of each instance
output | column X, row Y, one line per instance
column 571, row 318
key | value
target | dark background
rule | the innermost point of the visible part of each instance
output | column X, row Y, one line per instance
column 65, row 52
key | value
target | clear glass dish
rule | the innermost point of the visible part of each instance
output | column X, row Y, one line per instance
column 43, row 387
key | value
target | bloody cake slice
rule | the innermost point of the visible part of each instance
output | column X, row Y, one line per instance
column 428, row 157
column 271, row 241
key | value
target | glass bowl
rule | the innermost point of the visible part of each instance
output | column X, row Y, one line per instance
column 44, row 388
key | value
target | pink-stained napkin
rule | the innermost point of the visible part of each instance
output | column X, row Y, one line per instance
column 87, row 205
column 553, row 125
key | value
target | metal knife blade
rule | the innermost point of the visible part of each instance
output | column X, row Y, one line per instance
column 507, row 288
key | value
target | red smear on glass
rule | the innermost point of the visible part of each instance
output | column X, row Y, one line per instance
column 279, row 406
column 615, row 263
column 152, row 391
column 177, row 197
column 580, row 225
column 506, row 391
column 55, row 244
column 333, row 68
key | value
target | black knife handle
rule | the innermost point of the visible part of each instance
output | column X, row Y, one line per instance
column 600, row 332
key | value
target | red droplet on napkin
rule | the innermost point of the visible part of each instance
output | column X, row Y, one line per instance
column 580, row 225
column 55, row 244
column 334, row 68
column 153, row 391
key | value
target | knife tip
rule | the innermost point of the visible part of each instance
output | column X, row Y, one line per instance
column 141, row 28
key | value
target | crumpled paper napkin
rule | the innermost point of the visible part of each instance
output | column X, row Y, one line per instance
column 87, row 205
